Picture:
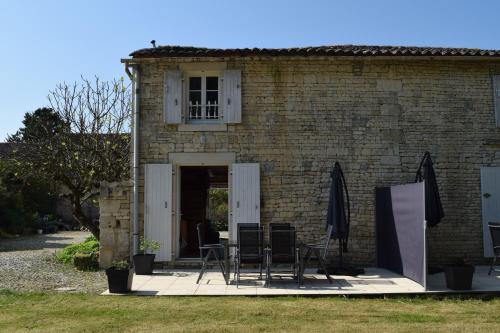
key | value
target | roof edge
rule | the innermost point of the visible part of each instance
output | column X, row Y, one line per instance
column 146, row 60
column 170, row 51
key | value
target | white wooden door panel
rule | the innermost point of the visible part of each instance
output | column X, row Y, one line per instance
column 245, row 193
column 158, row 208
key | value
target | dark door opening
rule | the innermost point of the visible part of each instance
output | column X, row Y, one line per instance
column 204, row 199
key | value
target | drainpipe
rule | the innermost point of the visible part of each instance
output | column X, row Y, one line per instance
column 135, row 78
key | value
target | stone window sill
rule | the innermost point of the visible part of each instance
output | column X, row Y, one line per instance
column 202, row 128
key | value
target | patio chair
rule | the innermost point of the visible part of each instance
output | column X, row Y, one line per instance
column 280, row 226
column 282, row 250
column 495, row 240
column 211, row 250
column 318, row 252
column 250, row 248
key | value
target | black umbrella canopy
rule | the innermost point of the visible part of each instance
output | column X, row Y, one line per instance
column 433, row 207
column 338, row 214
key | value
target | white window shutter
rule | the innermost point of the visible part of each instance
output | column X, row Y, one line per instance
column 245, row 195
column 232, row 96
column 496, row 96
column 172, row 103
column 158, row 208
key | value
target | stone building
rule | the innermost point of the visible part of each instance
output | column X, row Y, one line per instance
column 269, row 124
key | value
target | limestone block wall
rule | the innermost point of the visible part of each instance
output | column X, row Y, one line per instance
column 114, row 223
column 375, row 116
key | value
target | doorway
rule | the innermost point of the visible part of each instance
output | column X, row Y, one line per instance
column 203, row 199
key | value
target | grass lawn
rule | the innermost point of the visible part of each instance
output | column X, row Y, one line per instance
column 52, row 312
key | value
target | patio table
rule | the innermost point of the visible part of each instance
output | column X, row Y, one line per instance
column 300, row 274
column 228, row 246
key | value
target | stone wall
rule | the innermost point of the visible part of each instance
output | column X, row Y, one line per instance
column 114, row 223
column 375, row 116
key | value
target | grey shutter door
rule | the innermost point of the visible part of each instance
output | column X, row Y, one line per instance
column 490, row 200
column 496, row 96
column 232, row 96
column 245, row 195
column 158, row 208
column 172, row 103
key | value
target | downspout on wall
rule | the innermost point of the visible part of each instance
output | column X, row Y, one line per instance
column 135, row 78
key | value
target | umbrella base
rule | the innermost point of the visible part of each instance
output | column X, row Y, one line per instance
column 342, row 270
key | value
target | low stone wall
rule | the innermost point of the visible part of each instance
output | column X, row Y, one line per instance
column 114, row 223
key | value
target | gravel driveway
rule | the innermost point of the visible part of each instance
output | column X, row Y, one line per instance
column 27, row 264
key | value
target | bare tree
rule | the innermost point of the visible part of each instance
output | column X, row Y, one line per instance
column 90, row 145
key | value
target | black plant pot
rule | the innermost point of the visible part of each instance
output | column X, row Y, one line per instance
column 459, row 277
column 119, row 280
column 144, row 264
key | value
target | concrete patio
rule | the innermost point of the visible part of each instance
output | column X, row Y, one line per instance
column 375, row 281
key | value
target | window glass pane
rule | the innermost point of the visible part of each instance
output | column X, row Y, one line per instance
column 212, row 83
column 195, row 83
column 212, row 97
column 195, row 97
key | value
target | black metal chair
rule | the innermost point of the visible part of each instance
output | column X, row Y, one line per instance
column 280, row 226
column 495, row 240
column 211, row 250
column 250, row 248
column 318, row 252
column 282, row 250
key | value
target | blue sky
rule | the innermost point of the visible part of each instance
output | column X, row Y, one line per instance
column 46, row 42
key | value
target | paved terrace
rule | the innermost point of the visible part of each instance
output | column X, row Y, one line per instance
column 375, row 281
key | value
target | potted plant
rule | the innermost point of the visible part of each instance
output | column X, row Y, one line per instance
column 144, row 261
column 459, row 275
column 120, row 277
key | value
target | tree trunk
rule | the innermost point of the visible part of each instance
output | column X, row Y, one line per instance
column 84, row 220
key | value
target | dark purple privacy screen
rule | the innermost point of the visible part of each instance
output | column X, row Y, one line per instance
column 400, row 230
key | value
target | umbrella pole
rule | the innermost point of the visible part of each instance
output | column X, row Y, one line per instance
column 341, row 252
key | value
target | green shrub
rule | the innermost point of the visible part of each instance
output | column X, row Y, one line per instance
column 218, row 208
column 148, row 245
column 120, row 264
column 22, row 199
column 91, row 238
column 66, row 255
column 86, row 261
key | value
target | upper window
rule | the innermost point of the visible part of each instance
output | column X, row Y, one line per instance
column 203, row 98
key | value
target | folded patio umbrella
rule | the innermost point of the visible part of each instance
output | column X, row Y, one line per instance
column 433, row 207
column 338, row 214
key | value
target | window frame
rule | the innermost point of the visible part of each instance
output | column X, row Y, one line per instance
column 203, row 74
